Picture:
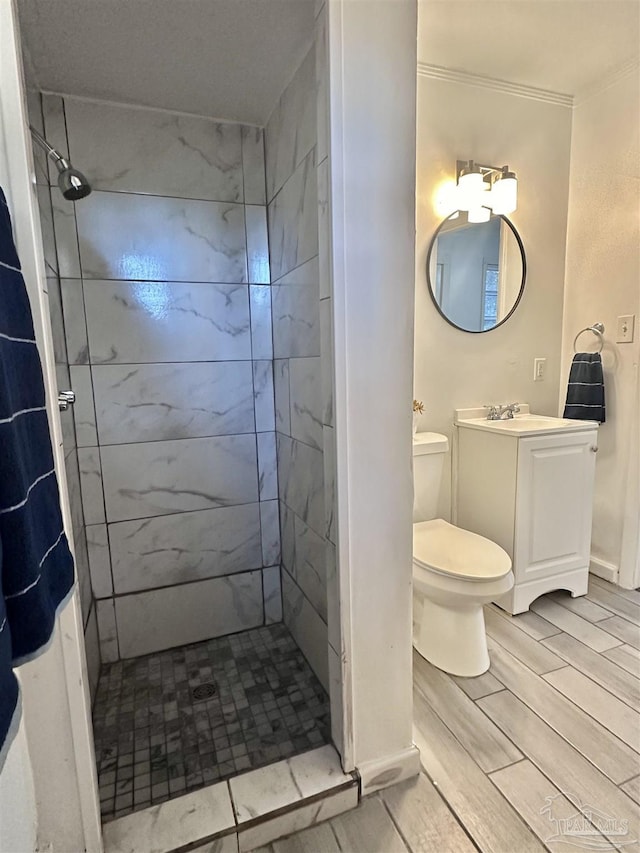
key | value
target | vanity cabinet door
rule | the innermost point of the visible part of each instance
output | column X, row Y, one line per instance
column 553, row 504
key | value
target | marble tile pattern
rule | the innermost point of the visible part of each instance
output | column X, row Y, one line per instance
column 326, row 347
column 166, row 308
column 131, row 150
column 257, row 244
column 301, row 480
column 75, row 422
column 322, row 85
column 99, row 560
column 107, row 630
column 43, row 194
column 54, row 293
column 324, row 239
column 260, row 302
column 91, row 483
column 329, row 460
column 291, row 128
column 266, row 790
column 281, row 394
column 310, row 565
column 263, row 395
column 81, row 558
column 297, row 819
column 306, row 400
column 155, row 402
column 66, row 231
column 188, row 613
column 253, row 165
column 55, row 129
column 74, row 489
column 84, row 414
column 272, row 595
column 293, row 220
column 152, row 321
column 296, row 313
column 162, row 477
column 75, row 325
column 165, row 827
column 300, row 374
column 267, row 466
column 36, row 119
column 126, row 236
column 307, row 628
column 270, row 528
column 155, row 738
column 186, row 546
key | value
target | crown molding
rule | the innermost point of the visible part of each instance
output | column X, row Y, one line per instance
column 627, row 69
column 451, row 75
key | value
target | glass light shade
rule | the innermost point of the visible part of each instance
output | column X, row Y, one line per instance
column 446, row 200
column 471, row 186
column 504, row 194
column 479, row 214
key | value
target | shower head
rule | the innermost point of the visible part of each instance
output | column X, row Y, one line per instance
column 73, row 184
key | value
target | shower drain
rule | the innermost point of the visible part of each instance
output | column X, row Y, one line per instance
column 203, row 691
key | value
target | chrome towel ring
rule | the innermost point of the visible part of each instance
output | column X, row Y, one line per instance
column 597, row 329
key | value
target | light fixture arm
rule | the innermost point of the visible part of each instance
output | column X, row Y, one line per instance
column 491, row 172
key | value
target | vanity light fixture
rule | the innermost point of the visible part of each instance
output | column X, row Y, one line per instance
column 481, row 189
column 479, row 214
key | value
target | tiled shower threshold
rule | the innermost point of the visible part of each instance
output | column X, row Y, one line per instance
column 242, row 813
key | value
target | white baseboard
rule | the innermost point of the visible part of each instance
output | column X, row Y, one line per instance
column 602, row 569
column 383, row 772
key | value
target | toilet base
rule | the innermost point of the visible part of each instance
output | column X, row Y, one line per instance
column 452, row 638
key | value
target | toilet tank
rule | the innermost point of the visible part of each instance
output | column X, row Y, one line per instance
column 429, row 449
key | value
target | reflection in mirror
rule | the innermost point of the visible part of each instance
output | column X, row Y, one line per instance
column 476, row 271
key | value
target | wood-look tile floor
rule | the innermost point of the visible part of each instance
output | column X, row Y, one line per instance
column 513, row 759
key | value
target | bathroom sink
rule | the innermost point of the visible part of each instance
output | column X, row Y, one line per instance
column 527, row 424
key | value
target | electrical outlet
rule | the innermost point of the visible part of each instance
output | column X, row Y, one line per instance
column 539, row 369
column 624, row 329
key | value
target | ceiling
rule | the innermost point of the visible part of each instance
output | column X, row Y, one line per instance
column 228, row 59
column 563, row 46
column 231, row 59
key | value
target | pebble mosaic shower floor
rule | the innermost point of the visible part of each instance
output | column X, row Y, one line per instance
column 159, row 732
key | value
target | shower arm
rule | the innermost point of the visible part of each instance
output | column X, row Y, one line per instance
column 58, row 159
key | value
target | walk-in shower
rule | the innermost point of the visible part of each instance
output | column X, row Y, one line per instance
column 186, row 303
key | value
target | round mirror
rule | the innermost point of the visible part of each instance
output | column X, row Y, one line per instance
column 476, row 271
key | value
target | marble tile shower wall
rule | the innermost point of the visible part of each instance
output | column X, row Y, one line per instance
column 296, row 152
column 167, row 308
column 44, row 195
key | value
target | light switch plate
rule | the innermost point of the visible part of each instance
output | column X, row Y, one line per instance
column 625, row 328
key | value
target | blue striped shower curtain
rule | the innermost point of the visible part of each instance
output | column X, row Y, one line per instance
column 36, row 566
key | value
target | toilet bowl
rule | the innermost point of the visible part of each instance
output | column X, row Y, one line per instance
column 455, row 572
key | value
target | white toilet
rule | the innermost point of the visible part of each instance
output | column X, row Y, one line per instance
column 455, row 572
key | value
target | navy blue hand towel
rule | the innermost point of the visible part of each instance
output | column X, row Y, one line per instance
column 585, row 392
column 36, row 567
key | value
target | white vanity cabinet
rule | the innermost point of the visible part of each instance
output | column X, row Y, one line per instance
column 531, row 491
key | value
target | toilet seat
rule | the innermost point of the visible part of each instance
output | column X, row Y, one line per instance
column 451, row 551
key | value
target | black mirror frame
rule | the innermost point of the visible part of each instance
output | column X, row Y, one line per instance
column 515, row 304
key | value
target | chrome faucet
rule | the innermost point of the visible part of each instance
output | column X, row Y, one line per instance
column 502, row 413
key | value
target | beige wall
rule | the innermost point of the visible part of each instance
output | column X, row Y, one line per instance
column 602, row 282
column 452, row 368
